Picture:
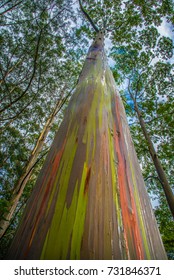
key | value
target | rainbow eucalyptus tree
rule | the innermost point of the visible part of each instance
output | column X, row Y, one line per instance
column 90, row 200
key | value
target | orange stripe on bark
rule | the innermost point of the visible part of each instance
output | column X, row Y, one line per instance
column 131, row 227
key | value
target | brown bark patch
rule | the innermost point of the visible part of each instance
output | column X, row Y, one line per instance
column 87, row 180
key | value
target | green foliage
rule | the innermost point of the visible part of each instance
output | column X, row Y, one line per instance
column 165, row 48
column 149, row 37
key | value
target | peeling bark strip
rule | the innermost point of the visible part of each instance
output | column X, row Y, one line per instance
column 90, row 200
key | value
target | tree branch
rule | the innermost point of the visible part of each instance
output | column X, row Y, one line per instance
column 153, row 177
column 11, row 8
column 160, row 117
column 31, row 78
column 88, row 17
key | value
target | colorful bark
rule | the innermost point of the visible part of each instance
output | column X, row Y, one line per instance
column 90, row 200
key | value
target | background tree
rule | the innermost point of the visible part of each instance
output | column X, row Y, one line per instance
column 18, row 189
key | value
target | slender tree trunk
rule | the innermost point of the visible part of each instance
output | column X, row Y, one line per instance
column 19, row 188
column 160, row 171
column 90, row 201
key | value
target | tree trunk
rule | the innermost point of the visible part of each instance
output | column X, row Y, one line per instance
column 19, row 188
column 160, row 171
column 90, row 201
